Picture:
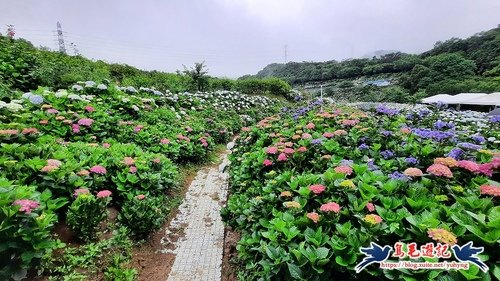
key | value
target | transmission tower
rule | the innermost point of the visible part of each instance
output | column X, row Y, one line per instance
column 286, row 53
column 60, row 38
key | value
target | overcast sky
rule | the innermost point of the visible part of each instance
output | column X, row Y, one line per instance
column 242, row 36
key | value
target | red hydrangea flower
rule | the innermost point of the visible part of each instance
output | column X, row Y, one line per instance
column 267, row 162
column 282, row 157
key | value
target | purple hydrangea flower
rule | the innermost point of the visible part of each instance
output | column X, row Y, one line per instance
column 495, row 119
column 363, row 146
column 387, row 111
column 346, row 162
column 469, row 146
column 317, row 141
column 398, row 176
column 386, row 133
column 387, row 154
column 425, row 133
column 411, row 160
column 371, row 165
column 478, row 139
column 456, row 153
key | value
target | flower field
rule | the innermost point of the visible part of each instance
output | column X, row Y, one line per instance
column 310, row 188
column 68, row 156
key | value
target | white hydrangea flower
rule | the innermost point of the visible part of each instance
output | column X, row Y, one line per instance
column 74, row 97
column 17, row 101
column 14, row 107
column 36, row 99
column 90, row 84
column 77, row 88
column 125, row 100
column 135, row 107
column 61, row 93
column 2, row 104
column 27, row 95
column 102, row 87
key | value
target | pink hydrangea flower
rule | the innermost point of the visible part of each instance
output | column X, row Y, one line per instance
column 106, row 145
column 372, row 219
column 29, row 131
column 288, row 144
column 317, row 188
column 328, row 135
column 54, row 162
column 440, row 170
column 288, row 150
column 343, row 169
column 370, row 207
column 470, row 166
column 80, row 191
column 490, row 190
column 156, row 160
column 189, row 129
column 85, row 122
column 272, row 150
column 133, row 169
column 89, row 108
column 340, row 133
column 52, row 111
column 204, row 142
column 245, row 129
column 140, row 196
column 75, row 128
column 306, row 136
column 83, row 173
column 44, row 122
column 267, row 162
column 98, row 169
column 350, row 122
column 413, row 172
column 104, row 194
column 49, row 168
column 330, row 207
column 313, row 216
column 302, row 149
column 129, row 161
column 164, row 141
column 138, row 128
column 26, row 205
column 310, row 126
column 282, row 157
column 486, row 169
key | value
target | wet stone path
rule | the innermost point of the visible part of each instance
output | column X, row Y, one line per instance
column 196, row 234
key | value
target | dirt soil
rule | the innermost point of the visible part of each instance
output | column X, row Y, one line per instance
column 151, row 264
column 231, row 239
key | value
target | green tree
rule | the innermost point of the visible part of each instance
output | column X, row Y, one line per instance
column 199, row 75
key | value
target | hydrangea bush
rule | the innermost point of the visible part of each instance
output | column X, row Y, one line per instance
column 310, row 188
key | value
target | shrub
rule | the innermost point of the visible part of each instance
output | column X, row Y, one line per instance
column 27, row 218
column 85, row 214
column 143, row 214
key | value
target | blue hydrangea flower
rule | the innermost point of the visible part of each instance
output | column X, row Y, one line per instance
column 346, row 162
column 495, row 119
column 386, row 133
column 36, row 99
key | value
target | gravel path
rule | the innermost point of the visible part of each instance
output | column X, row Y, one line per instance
column 196, row 234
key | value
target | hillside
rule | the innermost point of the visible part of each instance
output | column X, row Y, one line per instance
column 455, row 65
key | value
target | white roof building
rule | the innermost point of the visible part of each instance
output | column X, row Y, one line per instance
column 466, row 98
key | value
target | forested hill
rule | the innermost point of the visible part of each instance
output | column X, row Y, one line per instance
column 455, row 65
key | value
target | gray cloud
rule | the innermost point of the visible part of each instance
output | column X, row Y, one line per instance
column 237, row 37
